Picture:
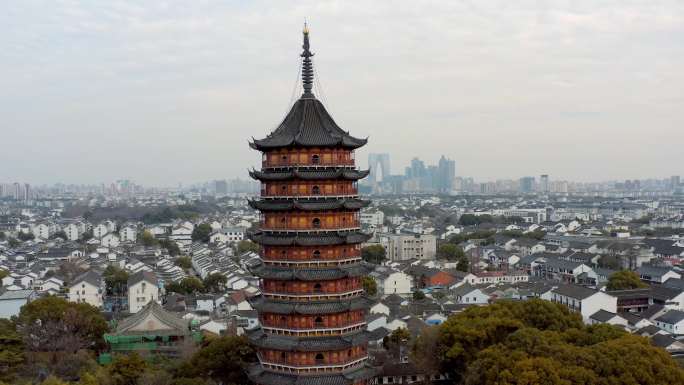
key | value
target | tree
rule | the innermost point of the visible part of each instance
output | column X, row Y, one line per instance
column 463, row 263
column 69, row 270
column 3, row 273
column 369, row 285
column 192, row 285
column 11, row 350
column 539, row 342
column 609, row 262
column 450, row 251
column 59, row 234
column 202, row 232
column 245, row 246
column 418, row 295
column 183, row 262
column 399, row 337
column 13, row 242
column 223, row 359
column 116, row 280
column 55, row 325
column 373, row 254
column 170, row 246
column 147, row 239
column 624, row 280
column 215, row 282
column 25, row 236
column 2, row 236
column 126, row 369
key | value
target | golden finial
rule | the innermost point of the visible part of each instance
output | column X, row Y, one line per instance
column 306, row 28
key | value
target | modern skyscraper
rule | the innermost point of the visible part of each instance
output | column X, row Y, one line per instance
column 544, row 183
column 379, row 166
column 312, row 308
column 446, row 174
column 527, row 184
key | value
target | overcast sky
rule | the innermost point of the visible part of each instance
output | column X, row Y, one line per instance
column 168, row 92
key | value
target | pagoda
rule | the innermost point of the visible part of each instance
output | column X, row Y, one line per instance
column 312, row 306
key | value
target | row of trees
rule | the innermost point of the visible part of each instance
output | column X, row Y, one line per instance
column 212, row 283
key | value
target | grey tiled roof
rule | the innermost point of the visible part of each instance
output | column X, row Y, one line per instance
column 306, row 344
column 177, row 326
column 260, row 376
column 334, row 173
column 311, row 205
column 671, row 317
column 312, row 274
column 574, row 291
column 308, row 124
column 326, row 238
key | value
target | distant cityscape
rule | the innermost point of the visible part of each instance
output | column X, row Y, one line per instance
column 418, row 178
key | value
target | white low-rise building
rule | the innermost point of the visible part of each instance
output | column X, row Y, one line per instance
column 143, row 287
column 583, row 300
column 87, row 288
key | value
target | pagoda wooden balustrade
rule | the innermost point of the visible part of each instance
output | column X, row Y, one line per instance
column 302, row 359
column 311, row 157
column 309, row 189
column 308, row 253
column 300, row 322
column 305, row 224
column 312, row 287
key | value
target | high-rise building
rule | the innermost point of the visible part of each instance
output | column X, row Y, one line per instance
column 544, row 183
column 312, row 308
column 379, row 166
column 527, row 184
column 220, row 187
column 446, row 174
column 675, row 181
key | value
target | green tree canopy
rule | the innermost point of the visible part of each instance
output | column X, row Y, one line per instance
column 369, row 285
column 373, row 254
column 418, row 295
column 222, row 359
column 116, row 280
column 53, row 324
column 170, row 246
column 215, row 282
column 183, row 262
column 25, row 236
column 11, row 350
column 450, row 251
column 187, row 285
column 623, row 280
column 147, row 239
column 126, row 369
column 202, row 232
column 539, row 342
column 246, row 245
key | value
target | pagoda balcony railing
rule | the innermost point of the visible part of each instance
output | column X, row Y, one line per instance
column 352, row 225
column 345, row 195
column 317, row 331
column 311, row 263
column 312, row 296
column 308, row 368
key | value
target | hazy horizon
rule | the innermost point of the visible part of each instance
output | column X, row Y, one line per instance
column 169, row 92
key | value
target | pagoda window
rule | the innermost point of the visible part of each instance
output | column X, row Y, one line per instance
column 318, row 322
column 283, row 189
column 316, row 223
column 283, row 254
column 316, row 159
column 320, row 359
column 318, row 288
column 283, row 321
column 349, row 353
column 315, row 190
column 284, row 159
column 317, row 254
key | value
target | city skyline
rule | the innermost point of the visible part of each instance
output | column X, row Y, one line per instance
column 148, row 86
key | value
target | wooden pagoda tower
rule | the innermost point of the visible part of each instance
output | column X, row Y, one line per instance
column 312, row 306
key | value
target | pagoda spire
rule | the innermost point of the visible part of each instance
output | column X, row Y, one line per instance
column 307, row 66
